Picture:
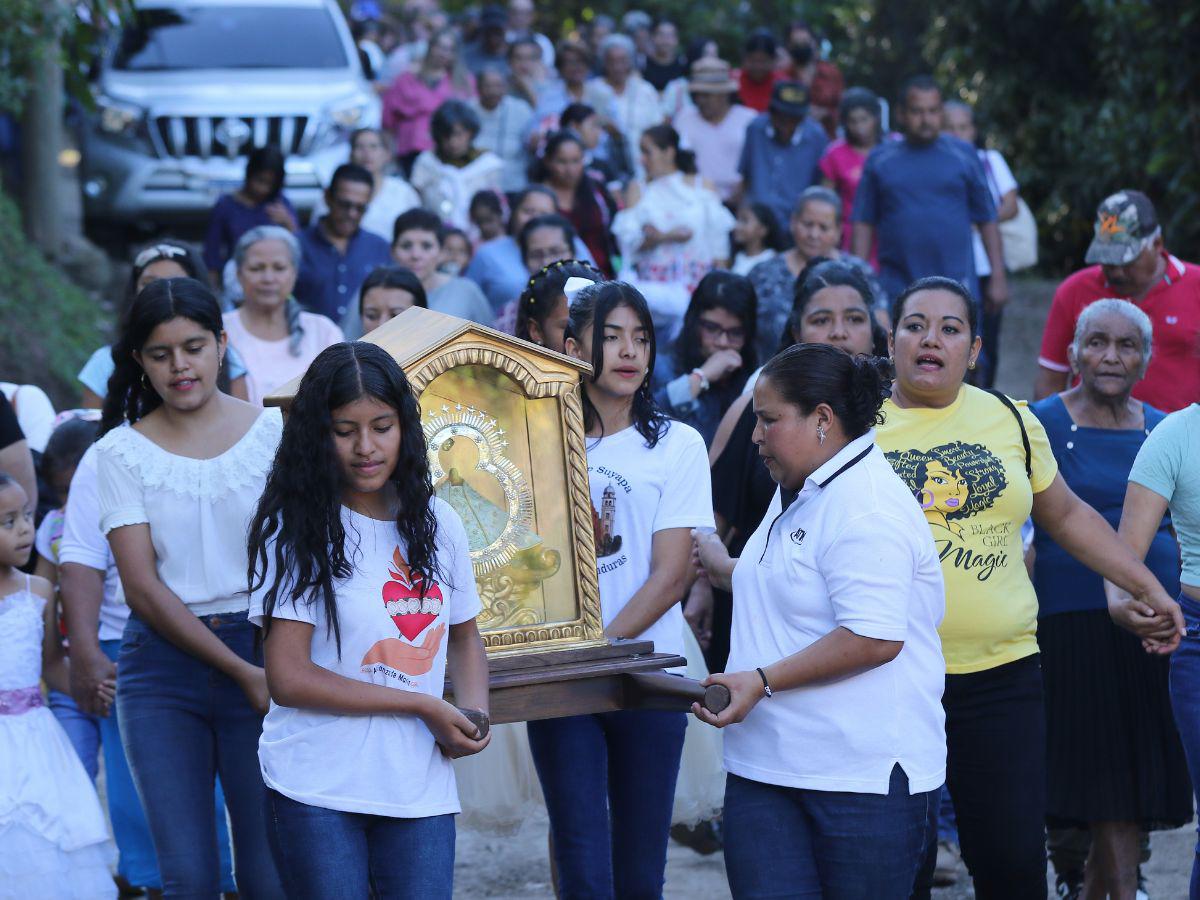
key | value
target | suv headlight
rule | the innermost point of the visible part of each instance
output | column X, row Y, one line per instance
column 118, row 118
column 350, row 114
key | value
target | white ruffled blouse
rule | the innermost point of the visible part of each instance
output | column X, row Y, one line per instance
column 198, row 510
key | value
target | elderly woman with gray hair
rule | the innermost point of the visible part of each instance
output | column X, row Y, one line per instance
column 1115, row 762
column 816, row 231
column 630, row 100
column 274, row 336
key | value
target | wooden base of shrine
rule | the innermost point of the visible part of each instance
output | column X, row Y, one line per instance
column 624, row 674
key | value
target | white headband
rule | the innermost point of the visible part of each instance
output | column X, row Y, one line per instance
column 574, row 285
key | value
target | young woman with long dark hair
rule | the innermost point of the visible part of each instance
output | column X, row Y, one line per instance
column 714, row 354
column 179, row 466
column 582, row 199
column 609, row 779
column 361, row 581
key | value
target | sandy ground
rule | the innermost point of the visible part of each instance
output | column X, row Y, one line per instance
column 514, row 867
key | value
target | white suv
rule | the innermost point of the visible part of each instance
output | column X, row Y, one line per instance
column 189, row 87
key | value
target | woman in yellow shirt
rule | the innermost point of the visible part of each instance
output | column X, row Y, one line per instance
column 979, row 464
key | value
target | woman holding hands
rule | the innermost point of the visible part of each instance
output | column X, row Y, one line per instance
column 979, row 464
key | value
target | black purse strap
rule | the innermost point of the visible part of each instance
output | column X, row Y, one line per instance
column 1012, row 408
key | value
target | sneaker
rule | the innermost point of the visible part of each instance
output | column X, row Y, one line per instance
column 945, row 871
column 1069, row 886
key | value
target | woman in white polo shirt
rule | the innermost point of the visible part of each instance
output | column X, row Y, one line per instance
column 835, row 667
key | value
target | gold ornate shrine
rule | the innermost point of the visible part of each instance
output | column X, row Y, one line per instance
column 504, row 427
column 506, row 449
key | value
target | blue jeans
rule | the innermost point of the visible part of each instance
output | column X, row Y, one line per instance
column 326, row 854
column 947, row 827
column 136, row 862
column 1185, row 701
column 795, row 842
column 609, row 784
column 82, row 729
column 183, row 723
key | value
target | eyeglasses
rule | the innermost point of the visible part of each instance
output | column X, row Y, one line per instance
column 157, row 252
column 349, row 206
column 711, row 329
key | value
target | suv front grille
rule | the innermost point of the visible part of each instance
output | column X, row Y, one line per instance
column 228, row 136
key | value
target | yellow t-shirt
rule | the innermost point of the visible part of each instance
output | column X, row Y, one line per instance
column 966, row 466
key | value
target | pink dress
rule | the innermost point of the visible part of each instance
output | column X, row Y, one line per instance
column 842, row 164
column 410, row 103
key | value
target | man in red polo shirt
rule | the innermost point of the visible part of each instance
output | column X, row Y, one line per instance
column 1130, row 263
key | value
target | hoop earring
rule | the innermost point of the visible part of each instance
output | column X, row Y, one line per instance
column 146, row 382
column 921, row 495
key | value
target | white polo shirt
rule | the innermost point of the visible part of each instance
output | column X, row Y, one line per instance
column 851, row 550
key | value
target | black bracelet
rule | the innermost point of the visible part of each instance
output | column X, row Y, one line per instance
column 766, row 685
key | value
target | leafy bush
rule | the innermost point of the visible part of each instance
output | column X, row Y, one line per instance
column 50, row 326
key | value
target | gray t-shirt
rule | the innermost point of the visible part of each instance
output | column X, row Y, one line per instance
column 462, row 297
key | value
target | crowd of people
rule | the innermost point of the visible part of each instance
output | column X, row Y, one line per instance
column 949, row 621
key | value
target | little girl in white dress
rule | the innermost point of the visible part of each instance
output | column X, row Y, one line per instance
column 53, row 838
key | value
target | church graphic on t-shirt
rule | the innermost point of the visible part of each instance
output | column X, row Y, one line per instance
column 604, row 524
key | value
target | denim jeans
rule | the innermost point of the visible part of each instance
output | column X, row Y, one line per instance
column 82, row 729
column 947, row 826
column 609, row 784
column 326, row 854
column 1185, row 701
column 795, row 842
column 183, row 723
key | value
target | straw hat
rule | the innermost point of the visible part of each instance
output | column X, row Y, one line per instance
column 711, row 76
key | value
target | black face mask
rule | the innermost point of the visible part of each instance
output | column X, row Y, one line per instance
column 802, row 54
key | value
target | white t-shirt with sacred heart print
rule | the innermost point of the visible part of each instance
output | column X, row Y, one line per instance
column 382, row 765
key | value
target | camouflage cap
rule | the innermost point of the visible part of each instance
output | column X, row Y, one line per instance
column 1125, row 225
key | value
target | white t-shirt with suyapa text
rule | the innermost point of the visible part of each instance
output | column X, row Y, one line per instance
column 637, row 491
column 386, row 765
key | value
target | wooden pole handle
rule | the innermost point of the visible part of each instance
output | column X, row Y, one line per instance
column 658, row 690
column 482, row 722
column 716, row 699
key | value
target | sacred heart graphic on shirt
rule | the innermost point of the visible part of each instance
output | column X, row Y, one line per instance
column 402, row 597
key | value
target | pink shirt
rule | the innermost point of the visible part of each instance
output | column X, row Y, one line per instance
column 410, row 103
column 270, row 364
column 717, row 147
column 843, row 166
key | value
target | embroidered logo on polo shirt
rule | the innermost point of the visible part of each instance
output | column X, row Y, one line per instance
column 1172, row 320
column 798, row 536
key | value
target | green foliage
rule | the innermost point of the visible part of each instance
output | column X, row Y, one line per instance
column 29, row 30
column 1083, row 97
column 50, row 325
